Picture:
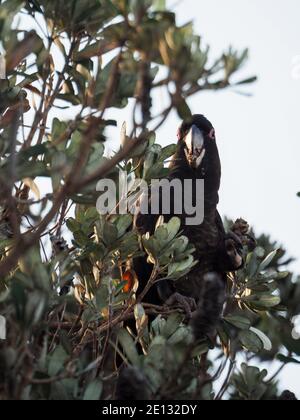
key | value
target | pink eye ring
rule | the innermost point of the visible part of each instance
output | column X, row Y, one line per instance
column 212, row 134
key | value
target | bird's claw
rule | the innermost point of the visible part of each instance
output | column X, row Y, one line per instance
column 186, row 303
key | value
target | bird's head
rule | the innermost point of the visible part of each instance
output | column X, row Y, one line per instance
column 197, row 140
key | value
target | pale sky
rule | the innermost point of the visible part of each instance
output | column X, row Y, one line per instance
column 258, row 137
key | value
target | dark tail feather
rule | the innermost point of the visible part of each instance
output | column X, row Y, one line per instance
column 287, row 396
column 211, row 303
column 132, row 385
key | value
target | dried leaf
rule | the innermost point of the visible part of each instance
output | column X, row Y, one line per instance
column 29, row 182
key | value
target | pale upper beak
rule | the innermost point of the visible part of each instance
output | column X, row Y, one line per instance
column 194, row 150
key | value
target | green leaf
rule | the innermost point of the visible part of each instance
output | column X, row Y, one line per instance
column 123, row 223
column 142, row 323
column 267, row 301
column 148, row 162
column 173, row 323
column 95, row 158
column 162, row 235
column 262, row 336
column 58, row 129
column 102, row 296
column 110, row 233
column 247, row 81
column 58, row 163
column 69, row 97
column 253, row 376
column 5, row 243
column 200, row 350
column 282, row 275
column 252, row 264
column 34, row 151
column 182, row 335
column 173, row 227
column 184, row 110
column 93, row 391
column 157, row 325
column 152, row 247
column 31, row 169
column 178, row 269
column 292, row 345
column 73, row 225
column 168, row 152
column 180, row 246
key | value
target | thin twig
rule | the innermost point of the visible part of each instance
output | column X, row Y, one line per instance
column 227, row 380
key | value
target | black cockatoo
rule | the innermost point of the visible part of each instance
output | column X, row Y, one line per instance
column 197, row 157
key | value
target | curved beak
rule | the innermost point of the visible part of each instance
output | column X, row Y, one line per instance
column 194, row 150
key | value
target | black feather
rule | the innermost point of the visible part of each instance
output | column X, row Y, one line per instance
column 132, row 385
